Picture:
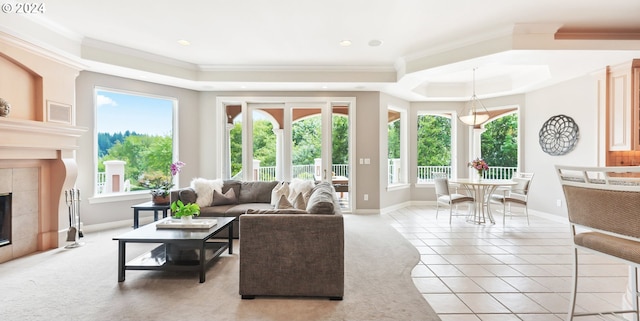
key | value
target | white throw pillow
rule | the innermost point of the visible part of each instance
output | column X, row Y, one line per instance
column 280, row 189
column 283, row 203
column 298, row 186
column 204, row 190
column 299, row 202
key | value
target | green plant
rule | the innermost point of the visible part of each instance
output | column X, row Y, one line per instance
column 179, row 209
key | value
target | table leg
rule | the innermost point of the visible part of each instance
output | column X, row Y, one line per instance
column 202, row 261
column 121, row 258
column 231, row 237
column 135, row 218
column 490, row 190
column 155, row 215
column 164, row 213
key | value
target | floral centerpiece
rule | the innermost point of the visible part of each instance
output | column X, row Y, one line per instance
column 160, row 184
column 479, row 165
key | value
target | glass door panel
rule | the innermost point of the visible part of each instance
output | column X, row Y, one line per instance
column 306, row 143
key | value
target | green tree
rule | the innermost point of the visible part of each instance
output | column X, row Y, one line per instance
column 235, row 137
column 434, row 140
column 143, row 154
column 340, row 140
column 306, row 137
column 393, row 144
column 500, row 141
column 264, row 143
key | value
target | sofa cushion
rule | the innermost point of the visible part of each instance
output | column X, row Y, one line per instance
column 239, row 209
column 224, row 199
column 187, row 195
column 322, row 199
column 277, row 211
column 256, row 192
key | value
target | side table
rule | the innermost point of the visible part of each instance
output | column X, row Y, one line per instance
column 149, row 206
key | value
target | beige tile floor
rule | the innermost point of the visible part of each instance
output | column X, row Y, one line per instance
column 491, row 272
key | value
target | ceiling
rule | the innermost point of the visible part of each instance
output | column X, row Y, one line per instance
column 428, row 50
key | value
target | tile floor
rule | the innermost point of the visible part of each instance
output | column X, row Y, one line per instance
column 471, row 272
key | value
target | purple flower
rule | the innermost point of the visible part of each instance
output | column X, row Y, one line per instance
column 176, row 167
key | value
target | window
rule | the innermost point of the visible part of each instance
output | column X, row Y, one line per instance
column 134, row 139
column 434, row 146
column 396, row 146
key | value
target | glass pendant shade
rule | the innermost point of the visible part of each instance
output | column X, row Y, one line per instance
column 474, row 116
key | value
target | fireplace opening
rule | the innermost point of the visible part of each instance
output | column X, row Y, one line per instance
column 5, row 219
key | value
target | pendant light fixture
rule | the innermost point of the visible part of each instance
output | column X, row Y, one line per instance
column 476, row 114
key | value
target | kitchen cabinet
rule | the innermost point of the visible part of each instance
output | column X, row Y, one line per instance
column 623, row 109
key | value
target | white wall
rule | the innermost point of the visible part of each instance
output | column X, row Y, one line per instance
column 576, row 98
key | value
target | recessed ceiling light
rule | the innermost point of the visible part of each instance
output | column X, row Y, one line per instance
column 375, row 43
column 345, row 43
column 184, row 42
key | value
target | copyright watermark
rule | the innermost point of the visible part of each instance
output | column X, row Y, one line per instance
column 23, row 7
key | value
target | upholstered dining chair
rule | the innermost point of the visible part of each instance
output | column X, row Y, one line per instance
column 602, row 206
column 517, row 194
column 445, row 197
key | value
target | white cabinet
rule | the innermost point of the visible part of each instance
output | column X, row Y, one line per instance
column 622, row 106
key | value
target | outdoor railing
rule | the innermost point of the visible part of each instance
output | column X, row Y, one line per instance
column 424, row 173
column 494, row 172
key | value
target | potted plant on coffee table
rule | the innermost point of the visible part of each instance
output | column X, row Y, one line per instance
column 185, row 212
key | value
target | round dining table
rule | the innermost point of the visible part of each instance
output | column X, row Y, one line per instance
column 481, row 190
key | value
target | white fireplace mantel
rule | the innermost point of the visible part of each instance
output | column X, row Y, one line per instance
column 27, row 139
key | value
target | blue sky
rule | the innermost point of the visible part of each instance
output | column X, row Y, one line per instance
column 119, row 112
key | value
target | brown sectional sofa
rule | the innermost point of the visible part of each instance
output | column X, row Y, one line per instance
column 284, row 254
column 249, row 195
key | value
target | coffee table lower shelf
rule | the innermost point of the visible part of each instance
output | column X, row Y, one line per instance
column 158, row 259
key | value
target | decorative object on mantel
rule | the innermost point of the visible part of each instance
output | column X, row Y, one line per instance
column 160, row 184
column 185, row 212
column 559, row 135
column 5, row 108
column 474, row 116
column 480, row 166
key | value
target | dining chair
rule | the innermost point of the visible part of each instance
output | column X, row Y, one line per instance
column 445, row 197
column 602, row 209
column 517, row 194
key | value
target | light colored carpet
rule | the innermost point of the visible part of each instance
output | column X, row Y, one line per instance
column 81, row 284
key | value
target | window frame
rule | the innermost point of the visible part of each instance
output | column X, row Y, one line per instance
column 131, row 195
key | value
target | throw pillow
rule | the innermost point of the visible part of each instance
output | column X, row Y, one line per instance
column 227, row 198
column 283, row 203
column 281, row 189
column 204, row 190
column 299, row 186
column 299, row 202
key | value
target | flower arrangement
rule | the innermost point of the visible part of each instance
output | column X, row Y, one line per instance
column 160, row 183
column 479, row 165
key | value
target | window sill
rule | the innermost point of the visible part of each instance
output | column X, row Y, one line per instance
column 397, row 187
column 119, row 197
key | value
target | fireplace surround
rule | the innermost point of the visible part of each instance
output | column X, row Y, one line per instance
column 39, row 139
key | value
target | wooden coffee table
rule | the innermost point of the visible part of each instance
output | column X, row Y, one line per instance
column 197, row 240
